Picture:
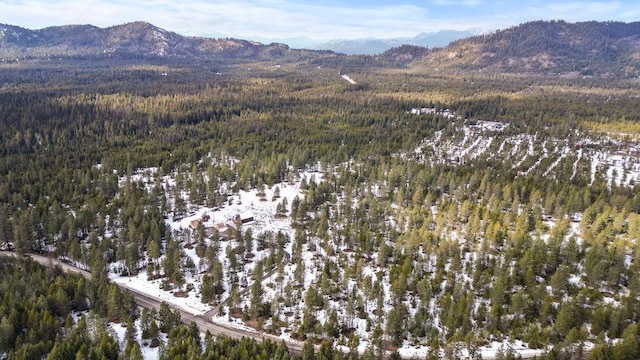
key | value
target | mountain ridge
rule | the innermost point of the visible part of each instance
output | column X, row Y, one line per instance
column 583, row 48
column 373, row 46
column 546, row 47
column 136, row 39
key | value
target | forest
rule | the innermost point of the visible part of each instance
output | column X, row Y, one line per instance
column 411, row 239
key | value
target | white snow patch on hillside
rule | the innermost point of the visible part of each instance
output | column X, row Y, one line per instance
column 349, row 80
column 616, row 161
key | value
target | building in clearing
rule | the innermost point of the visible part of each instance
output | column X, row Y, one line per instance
column 244, row 218
column 194, row 224
column 225, row 231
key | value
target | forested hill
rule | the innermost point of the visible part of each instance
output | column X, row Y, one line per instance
column 555, row 47
column 586, row 48
column 132, row 40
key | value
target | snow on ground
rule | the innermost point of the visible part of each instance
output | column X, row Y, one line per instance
column 476, row 140
column 518, row 347
column 190, row 304
column 231, row 321
column 260, row 206
column 246, row 204
column 413, row 352
column 346, row 77
column 148, row 353
column 529, row 143
column 488, row 352
column 444, row 112
column 575, row 164
column 618, row 162
column 249, row 204
column 531, row 152
column 563, row 154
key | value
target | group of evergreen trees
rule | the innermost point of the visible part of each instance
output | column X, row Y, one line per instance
column 73, row 142
column 39, row 309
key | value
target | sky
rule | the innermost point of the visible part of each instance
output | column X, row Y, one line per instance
column 315, row 19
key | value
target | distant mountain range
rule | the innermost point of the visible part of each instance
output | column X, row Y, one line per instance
column 552, row 47
column 377, row 46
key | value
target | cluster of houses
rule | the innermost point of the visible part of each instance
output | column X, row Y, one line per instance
column 481, row 124
column 488, row 125
column 445, row 112
column 225, row 230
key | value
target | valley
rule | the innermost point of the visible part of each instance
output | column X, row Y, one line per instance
column 394, row 212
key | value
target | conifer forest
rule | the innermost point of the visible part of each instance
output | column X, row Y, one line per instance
column 334, row 207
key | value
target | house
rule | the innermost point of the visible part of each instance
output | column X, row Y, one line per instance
column 244, row 218
column 225, row 231
column 194, row 224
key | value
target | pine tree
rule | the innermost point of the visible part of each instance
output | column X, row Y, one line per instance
column 135, row 352
column 22, row 236
column 5, row 228
column 207, row 291
column 7, row 335
column 308, row 351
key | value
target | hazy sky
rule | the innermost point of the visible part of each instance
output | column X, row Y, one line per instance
column 316, row 19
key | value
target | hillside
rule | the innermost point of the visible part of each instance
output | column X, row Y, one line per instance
column 132, row 40
column 588, row 48
column 541, row 47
